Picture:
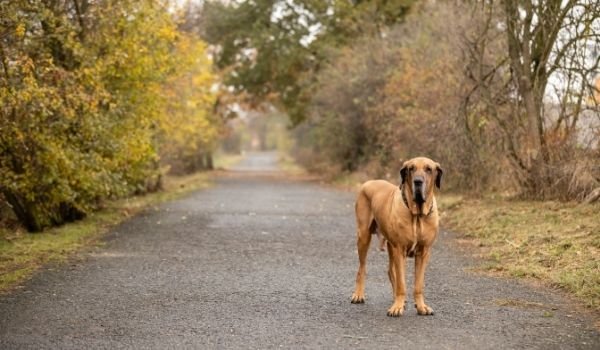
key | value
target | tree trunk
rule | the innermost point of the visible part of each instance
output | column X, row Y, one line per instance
column 23, row 212
column 209, row 161
column 532, row 111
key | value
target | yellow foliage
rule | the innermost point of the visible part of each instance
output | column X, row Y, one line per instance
column 188, row 126
column 20, row 30
column 86, row 111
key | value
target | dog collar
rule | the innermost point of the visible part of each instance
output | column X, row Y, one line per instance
column 404, row 197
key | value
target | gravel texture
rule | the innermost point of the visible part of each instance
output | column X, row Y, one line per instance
column 261, row 261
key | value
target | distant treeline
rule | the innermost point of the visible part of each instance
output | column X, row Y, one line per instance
column 504, row 94
column 97, row 98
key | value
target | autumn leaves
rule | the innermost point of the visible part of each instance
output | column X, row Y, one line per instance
column 92, row 94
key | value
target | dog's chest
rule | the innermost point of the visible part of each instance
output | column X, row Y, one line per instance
column 406, row 230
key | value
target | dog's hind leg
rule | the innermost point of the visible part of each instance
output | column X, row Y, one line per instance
column 364, row 220
column 391, row 267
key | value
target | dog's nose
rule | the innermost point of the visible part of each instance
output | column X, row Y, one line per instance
column 418, row 181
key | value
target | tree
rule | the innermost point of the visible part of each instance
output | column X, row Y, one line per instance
column 533, row 31
column 519, row 50
column 384, row 99
column 272, row 49
column 188, row 127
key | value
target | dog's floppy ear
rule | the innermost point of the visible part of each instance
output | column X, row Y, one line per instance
column 438, row 176
column 404, row 172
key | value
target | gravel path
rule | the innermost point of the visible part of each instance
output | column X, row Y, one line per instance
column 260, row 262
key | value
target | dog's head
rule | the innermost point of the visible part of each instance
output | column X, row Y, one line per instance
column 418, row 176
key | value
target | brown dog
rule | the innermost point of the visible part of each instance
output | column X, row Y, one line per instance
column 408, row 219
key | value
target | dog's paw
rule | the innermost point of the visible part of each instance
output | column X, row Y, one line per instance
column 424, row 310
column 357, row 299
column 396, row 310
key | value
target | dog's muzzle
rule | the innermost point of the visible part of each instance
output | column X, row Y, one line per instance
column 419, row 189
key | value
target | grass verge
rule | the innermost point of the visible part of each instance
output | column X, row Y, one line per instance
column 289, row 166
column 224, row 160
column 21, row 253
column 552, row 242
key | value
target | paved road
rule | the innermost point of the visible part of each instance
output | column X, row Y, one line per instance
column 257, row 162
column 261, row 262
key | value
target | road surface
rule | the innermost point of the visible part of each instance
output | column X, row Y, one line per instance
column 260, row 262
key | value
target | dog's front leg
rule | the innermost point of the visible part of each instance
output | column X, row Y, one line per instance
column 396, row 274
column 421, row 259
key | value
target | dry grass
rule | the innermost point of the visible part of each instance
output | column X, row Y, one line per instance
column 554, row 242
column 21, row 253
column 224, row 160
column 288, row 165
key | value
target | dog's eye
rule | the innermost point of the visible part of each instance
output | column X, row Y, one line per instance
column 412, row 168
column 428, row 169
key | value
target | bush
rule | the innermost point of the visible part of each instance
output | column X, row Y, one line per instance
column 83, row 105
column 388, row 99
